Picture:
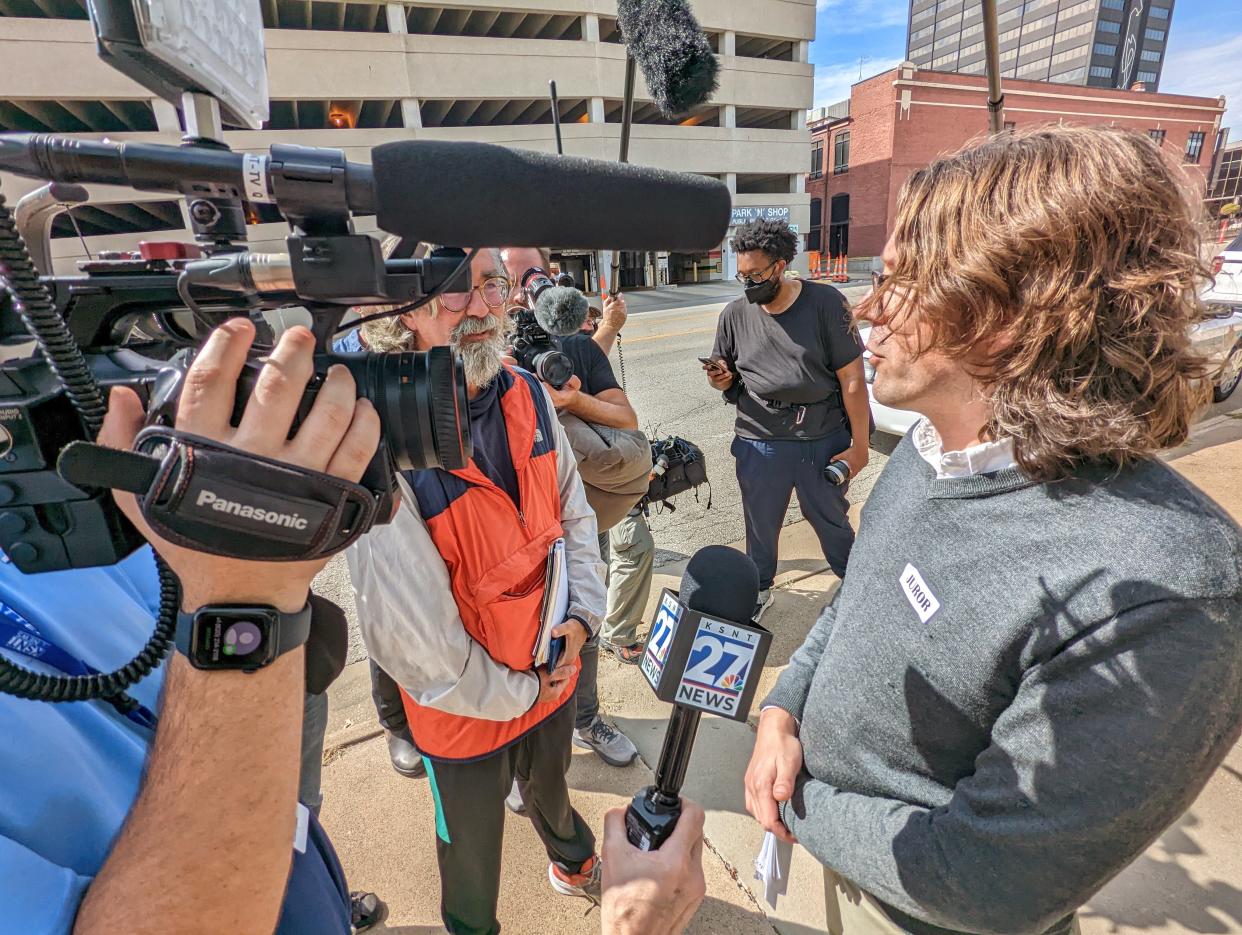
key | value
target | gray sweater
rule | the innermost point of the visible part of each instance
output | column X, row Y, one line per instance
column 1018, row 687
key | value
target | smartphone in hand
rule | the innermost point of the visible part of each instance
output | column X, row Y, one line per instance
column 710, row 364
column 556, row 648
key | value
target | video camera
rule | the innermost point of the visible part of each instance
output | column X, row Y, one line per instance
column 138, row 319
column 534, row 348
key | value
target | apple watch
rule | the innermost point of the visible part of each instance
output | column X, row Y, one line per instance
column 239, row 636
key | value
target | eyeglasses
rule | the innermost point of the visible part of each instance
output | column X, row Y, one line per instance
column 495, row 291
column 751, row 280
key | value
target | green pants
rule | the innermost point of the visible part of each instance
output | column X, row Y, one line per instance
column 631, row 558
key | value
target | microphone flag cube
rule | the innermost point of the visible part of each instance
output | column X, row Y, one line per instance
column 703, row 662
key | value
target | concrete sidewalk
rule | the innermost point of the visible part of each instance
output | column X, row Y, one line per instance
column 383, row 824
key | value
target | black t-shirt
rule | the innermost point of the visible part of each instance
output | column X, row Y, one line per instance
column 591, row 364
column 790, row 358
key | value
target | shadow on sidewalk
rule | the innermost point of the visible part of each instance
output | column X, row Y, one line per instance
column 1172, row 897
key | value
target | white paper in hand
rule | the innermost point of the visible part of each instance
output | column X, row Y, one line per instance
column 772, row 867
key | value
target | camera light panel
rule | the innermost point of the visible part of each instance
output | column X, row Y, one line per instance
column 216, row 45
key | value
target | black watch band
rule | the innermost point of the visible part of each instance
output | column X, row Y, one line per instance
column 239, row 636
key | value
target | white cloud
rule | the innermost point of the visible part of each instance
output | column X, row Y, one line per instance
column 1207, row 66
column 832, row 82
column 851, row 17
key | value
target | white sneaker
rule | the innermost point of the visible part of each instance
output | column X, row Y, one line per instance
column 513, row 801
column 586, row 883
column 766, row 600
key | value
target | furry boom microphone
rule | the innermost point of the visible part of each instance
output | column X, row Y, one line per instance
column 664, row 38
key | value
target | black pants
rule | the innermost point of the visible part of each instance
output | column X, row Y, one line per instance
column 387, row 698
column 768, row 473
column 470, row 820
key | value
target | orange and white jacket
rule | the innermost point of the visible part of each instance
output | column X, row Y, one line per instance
column 449, row 592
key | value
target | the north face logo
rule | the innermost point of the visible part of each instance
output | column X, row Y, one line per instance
column 538, row 436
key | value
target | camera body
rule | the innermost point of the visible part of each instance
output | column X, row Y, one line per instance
column 138, row 320
column 537, row 351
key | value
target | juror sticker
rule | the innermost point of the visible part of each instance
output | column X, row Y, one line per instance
column 720, row 661
column 918, row 593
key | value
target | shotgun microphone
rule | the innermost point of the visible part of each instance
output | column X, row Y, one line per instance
column 664, row 39
column 702, row 657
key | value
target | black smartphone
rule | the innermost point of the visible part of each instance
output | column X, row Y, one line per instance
column 556, row 646
column 710, row 363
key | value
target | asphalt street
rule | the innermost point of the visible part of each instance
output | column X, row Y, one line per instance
column 667, row 331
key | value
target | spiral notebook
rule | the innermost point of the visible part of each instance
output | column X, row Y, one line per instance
column 555, row 605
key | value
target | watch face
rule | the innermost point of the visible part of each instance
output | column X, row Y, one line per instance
column 233, row 639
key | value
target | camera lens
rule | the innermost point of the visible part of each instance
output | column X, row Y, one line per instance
column 554, row 368
column 421, row 400
column 837, row 473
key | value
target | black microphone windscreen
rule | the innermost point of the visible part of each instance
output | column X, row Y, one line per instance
column 561, row 310
column 721, row 582
column 665, row 41
column 483, row 195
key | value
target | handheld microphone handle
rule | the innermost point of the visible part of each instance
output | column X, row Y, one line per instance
column 675, row 755
column 654, row 812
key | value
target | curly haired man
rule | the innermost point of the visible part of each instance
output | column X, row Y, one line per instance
column 1033, row 667
column 788, row 357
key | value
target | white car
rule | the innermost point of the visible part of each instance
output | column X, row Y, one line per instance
column 1221, row 334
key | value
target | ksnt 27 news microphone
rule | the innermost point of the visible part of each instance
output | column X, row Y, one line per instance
column 700, row 656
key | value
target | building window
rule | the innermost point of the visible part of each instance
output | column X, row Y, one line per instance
column 921, row 52
column 1113, row 4
column 1035, row 46
column 817, row 159
column 921, row 33
column 1158, row 12
column 1077, row 8
column 1069, row 77
column 1157, row 136
column 1155, row 35
column 947, row 40
column 1033, row 68
column 1150, row 55
column 1040, row 23
column 944, row 60
column 971, row 49
column 841, row 152
column 1010, row 34
column 813, row 238
column 1068, row 55
column 923, row 14
column 1073, row 32
column 1194, row 146
column 1145, row 76
column 1103, row 48
column 1101, row 71
column 1107, row 25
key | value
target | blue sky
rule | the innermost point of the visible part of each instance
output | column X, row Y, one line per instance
column 1204, row 57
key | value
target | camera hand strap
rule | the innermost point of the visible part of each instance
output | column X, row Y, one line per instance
column 211, row 497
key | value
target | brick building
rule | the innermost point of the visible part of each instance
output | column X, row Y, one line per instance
column 900, row 120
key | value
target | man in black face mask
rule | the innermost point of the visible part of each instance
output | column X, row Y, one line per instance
column 788, row 357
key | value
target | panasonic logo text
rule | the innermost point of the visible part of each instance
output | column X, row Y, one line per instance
column 235, row 508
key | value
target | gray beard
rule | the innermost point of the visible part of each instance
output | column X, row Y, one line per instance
column 481, row 359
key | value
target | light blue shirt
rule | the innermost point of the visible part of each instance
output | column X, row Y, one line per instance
column 69, row 772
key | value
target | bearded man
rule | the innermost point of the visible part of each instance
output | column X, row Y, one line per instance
column 449, row 596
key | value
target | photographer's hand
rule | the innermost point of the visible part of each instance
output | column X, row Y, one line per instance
column 209, row 841
column 652, row 892
column 339, row 436
column 567, row 396
column 611, row 322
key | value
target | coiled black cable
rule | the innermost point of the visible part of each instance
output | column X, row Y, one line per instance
column 33, row 302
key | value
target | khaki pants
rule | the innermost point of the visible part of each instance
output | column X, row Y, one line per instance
column 851, row 911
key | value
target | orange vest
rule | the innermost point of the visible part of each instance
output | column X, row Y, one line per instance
column 496, row 558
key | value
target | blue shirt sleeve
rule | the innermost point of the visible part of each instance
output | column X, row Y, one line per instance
column 348, row 343
column 37, row 897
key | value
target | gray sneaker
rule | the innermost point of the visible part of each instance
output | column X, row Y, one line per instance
column 586, row 883
column 613, row 747
column 513, row 801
